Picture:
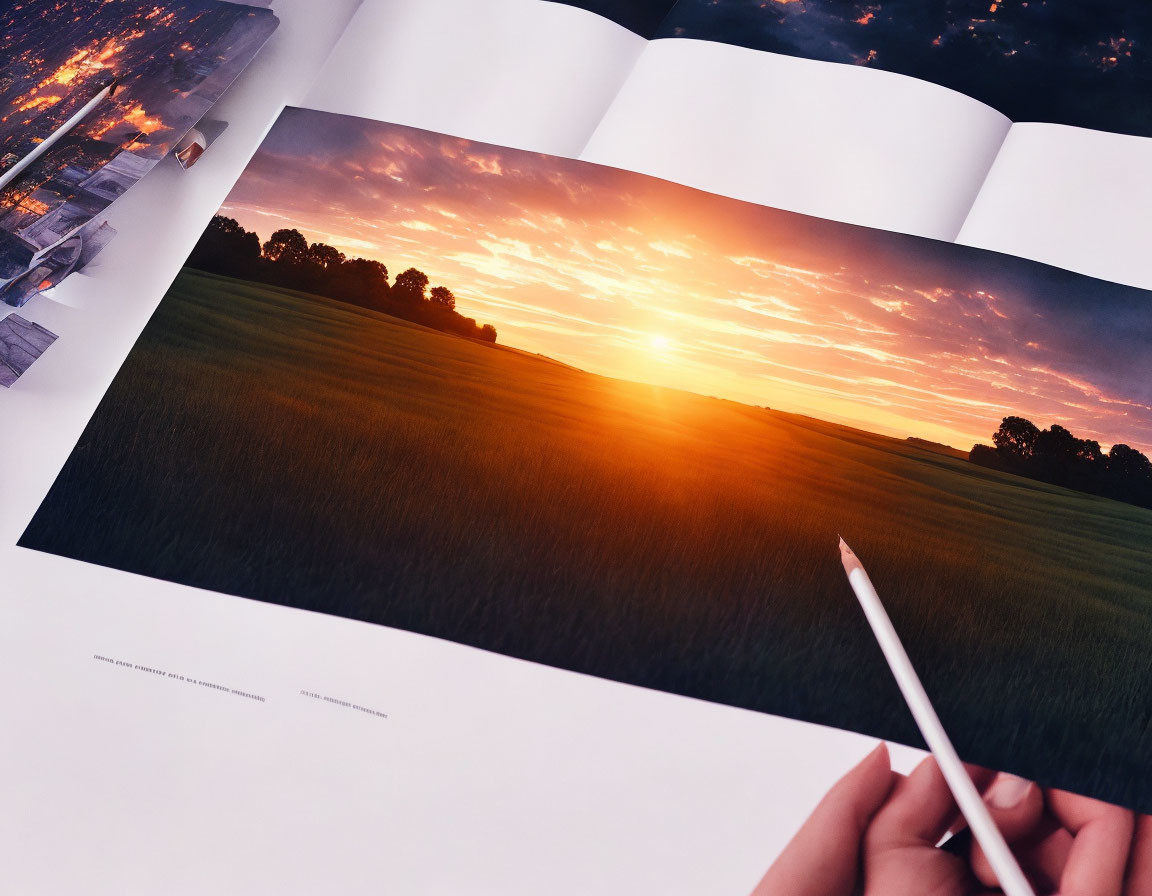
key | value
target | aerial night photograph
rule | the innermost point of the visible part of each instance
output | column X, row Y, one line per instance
column 1075, row 63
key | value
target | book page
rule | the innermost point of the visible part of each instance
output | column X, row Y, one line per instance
column 524, row 73
column 1077, row 62
column 845, row 143
column 1072, row 197
column 595, row 420
column 483, row 774
column 460, row 505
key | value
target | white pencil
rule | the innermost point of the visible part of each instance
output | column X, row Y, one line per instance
column 1004, row 864
column 9, row 175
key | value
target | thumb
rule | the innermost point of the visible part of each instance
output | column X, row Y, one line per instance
column 823, row 858
column 1017, row 807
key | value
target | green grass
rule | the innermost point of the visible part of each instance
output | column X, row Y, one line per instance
column 305, row 452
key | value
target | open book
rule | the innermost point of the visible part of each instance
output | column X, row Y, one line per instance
column 578, row 341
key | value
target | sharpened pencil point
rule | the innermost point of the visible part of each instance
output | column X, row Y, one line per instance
column 848, row 557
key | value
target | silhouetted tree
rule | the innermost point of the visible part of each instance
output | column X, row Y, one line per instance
column 1056, row 442
column 1089, row 450
column 442, row 296
column 362, row 281
column 409, row 286
column 365, row 272
column 1055, row 455
column 986, row 456
column 325, row 256
column 287, row 247
column 1124, row 460
column 224, row 226
column 228, row 232
column 1016, row 437
column 286, row 259
column 226, row 248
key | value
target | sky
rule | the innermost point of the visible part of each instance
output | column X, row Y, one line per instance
column 1076, row 62
column 634, row 277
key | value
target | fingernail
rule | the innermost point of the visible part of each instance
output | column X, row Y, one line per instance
column 1008, row 792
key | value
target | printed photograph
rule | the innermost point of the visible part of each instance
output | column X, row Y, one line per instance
column 1078, row 62
column 600, row 421
column 21, row 344
column 147, row 72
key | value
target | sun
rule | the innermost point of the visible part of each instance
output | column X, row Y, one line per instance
column 659, row 343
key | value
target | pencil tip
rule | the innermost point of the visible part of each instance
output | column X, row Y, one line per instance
column 848, row 557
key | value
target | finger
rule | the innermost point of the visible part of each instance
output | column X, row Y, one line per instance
column 1139, row 882
column 919, row 812
column 982, row 778
column 1102, row 841
column 823, row 858
column 1016, row 805
column 1044, row 856
column 900, row 854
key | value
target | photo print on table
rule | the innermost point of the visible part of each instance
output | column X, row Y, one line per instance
column 597, row 420
column 21, row 344
column 167, row 62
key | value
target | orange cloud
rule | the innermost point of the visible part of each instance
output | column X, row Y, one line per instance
column 596, row 267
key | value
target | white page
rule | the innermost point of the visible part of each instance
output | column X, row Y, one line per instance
column 841, row 142
column 521, row 73
column 489, row 776
column 1071, row 197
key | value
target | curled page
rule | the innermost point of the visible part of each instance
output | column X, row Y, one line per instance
column 844, row 143
column 524, row 73
column 1072, row 197
column 21, row 343
column 1077, row 62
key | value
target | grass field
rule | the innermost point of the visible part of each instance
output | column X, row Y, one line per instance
column 309, row 453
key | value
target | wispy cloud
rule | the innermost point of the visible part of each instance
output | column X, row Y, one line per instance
column 635, row 277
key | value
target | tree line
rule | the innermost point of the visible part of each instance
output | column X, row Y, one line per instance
column 1055, row 455
column 287, row 259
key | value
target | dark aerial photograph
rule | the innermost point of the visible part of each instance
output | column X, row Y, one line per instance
column 642, row 16
column 166, row 63
column 1076, row 62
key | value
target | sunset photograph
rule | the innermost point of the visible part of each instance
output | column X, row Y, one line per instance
column 604, row 422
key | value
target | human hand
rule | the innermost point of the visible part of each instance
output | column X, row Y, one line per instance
column 876, row 831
